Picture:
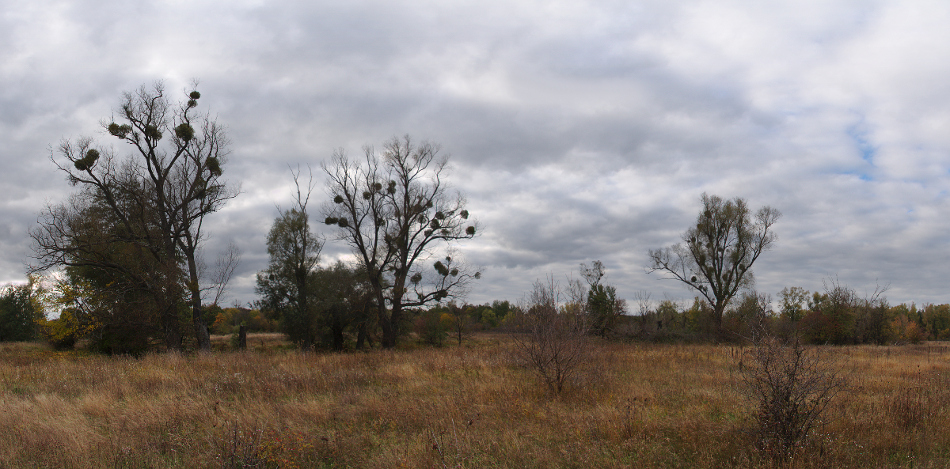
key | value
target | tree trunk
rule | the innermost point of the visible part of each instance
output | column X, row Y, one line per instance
column 170, row 326
column 361, row 336
column 717, row 320
column 303, row 307
column 167, row 301
column 389, row 330
column 388, row 323
column 242, row 337
column 338, row 337
column 391, row 333
column 201, row 329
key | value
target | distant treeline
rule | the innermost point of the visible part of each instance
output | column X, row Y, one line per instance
column 835, row 316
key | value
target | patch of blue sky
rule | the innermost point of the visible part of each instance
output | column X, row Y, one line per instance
column 859, row 135
column 864, row 176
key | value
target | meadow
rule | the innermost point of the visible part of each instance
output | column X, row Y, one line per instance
column 474, row 405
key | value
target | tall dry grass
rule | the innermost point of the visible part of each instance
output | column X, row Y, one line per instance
column 636, row 405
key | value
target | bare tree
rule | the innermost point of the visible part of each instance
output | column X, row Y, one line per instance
column 198, row 191
column 395, row 211
column 156, row 198
column 556, row 344
column 717, row 254
column 643, row 302
column 225, row 266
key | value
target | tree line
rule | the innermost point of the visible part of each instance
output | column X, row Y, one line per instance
column 125, row 248
column 125, row 252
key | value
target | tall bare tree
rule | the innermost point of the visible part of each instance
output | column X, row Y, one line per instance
column 157, row 198
column 717, row 254
column 394, row 210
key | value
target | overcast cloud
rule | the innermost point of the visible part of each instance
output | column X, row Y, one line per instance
column 577, row 130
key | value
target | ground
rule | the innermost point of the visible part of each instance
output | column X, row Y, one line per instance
column 635, row 405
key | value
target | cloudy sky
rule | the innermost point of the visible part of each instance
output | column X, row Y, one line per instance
column 577, row 130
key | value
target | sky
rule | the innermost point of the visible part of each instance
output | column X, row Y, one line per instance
column 577, row 131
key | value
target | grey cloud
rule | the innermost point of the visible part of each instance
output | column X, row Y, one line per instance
column 577, row 131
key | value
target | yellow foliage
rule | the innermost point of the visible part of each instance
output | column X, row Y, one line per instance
column 64, row 331
column 220, row 320
column 71, row 325
column 904, row 330
column 448, row 320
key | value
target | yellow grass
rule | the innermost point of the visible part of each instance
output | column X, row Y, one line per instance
column 472, row 406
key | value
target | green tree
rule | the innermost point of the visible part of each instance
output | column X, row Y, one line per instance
column 394, row 210
column 603, row 307
column 118, row 316
column 110, row 313
column 717, row 254
column 19, row 312
column 314, row 304
column 111, row 284
column 229, row 320
column 936, row 320
column 668, row 316
column 793, row 303
column 286, row 285
column 500, row 309
column 342, row 299
column 433, row 325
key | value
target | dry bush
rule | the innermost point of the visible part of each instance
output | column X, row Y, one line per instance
column 556, row 345
column 791, row 386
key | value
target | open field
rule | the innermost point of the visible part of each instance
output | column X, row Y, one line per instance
column 639, row 405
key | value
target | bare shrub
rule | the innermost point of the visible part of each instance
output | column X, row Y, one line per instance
column 556, row 344
column 791, row 386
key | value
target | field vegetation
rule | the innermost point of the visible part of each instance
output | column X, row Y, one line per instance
column 473, row 405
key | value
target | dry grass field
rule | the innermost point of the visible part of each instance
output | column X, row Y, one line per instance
column 638, row 405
